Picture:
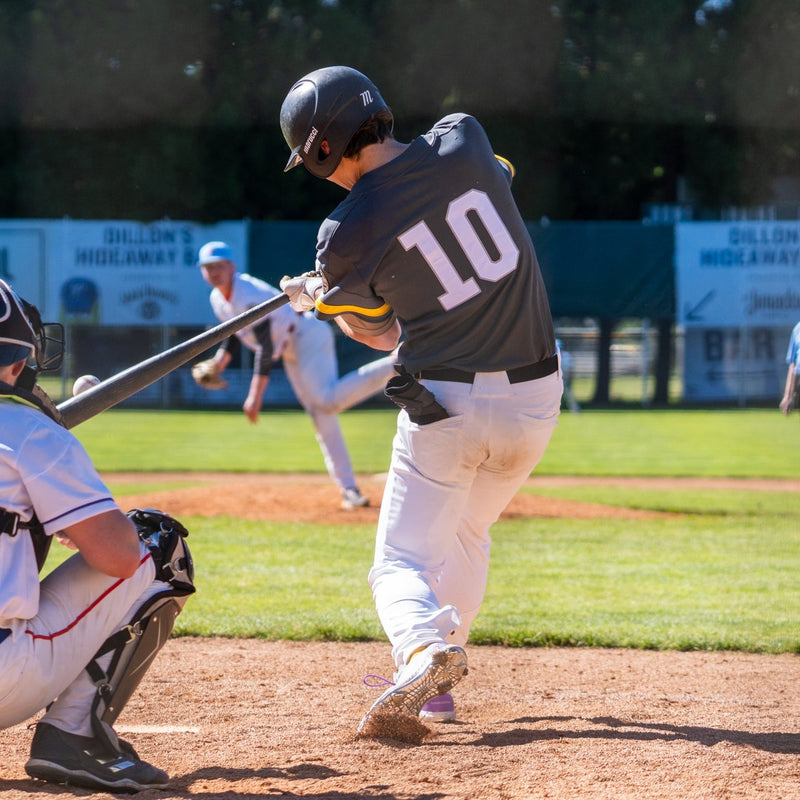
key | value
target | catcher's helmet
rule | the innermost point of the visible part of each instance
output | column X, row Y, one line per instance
column 328, row 104
column 22, row 334
column 17, row 339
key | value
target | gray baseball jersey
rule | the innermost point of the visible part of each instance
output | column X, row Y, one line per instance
column 447, row 252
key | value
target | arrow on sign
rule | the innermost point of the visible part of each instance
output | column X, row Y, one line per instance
column 692, row 315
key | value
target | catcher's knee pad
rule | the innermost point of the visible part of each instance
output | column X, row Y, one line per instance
column 133, row 648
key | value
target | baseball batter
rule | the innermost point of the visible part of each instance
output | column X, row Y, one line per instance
column 79, row 641
column 429, row 242
column 308, row 350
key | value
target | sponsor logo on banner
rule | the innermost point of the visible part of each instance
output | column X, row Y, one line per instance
column 115, row 272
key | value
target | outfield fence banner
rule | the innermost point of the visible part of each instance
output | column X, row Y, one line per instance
column 114, row 272
column 738, row 297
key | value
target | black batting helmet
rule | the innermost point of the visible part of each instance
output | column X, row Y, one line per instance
column 329, row 104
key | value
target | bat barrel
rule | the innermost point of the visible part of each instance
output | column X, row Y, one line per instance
column 124, row 384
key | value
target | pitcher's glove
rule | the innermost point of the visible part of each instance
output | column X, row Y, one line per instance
column 207, row 374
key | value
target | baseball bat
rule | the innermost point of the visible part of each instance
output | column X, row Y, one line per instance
column 121, row 386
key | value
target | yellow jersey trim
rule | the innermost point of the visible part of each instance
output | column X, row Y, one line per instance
column 364, row 312
column 15, row 398
column 507, row 163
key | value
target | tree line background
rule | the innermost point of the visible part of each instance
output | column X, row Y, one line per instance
column 144, row 109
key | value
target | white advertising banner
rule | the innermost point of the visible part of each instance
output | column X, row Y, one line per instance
column 109, row 272
column 739, row 274
column 738, row 297
column 22, row 258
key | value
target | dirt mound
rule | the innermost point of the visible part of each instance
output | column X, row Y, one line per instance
column 313, row 498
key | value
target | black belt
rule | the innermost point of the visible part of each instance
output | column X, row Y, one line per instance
column 529, row 372
column 4, row 634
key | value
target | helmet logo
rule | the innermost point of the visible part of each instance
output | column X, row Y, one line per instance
column 5, row 309
column 310, row 140
column 366, row 97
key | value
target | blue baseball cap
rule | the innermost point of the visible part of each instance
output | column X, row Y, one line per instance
column 214, row 251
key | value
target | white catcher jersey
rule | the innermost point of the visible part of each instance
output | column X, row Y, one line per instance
column 42, row 467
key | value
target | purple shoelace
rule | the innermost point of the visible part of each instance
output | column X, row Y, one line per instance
column 376, row 681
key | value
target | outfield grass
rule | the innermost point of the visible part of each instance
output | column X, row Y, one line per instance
column 716, row 583
column 695, row 582
column 743, row 443
column 720, row 574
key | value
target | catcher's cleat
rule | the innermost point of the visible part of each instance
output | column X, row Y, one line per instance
column 61, row 757
column 434, row 671
column 441, row 708
column 352, row 498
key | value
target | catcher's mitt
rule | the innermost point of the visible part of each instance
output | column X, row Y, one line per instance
column 207, row 374
column 164, row 537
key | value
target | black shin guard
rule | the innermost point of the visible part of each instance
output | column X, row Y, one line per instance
column 134, row 647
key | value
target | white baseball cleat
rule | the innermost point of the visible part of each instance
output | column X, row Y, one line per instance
column 434, row 671
column 352, row 498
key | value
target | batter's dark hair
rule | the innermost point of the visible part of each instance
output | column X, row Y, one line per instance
column 377, row 128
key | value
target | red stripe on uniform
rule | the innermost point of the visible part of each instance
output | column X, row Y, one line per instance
column 84, row 612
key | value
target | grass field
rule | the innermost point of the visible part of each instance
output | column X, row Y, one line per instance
column 722, row 573
column 724, row 443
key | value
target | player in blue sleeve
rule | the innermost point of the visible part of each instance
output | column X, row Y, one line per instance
column 790, row 390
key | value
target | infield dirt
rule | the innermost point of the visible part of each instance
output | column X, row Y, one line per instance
column 233, row 719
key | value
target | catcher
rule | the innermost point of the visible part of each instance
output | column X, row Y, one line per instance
column 84, row 635
column 307, row 348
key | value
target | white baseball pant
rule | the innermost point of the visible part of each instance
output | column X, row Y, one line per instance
column 448, row 483
column 44, row 657
column 312, row 368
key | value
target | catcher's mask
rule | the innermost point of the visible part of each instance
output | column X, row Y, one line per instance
column 23, row 335
column 329, row 104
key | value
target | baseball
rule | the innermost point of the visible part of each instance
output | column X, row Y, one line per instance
column 83, row 383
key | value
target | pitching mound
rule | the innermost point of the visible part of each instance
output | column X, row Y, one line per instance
column 314, row 498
